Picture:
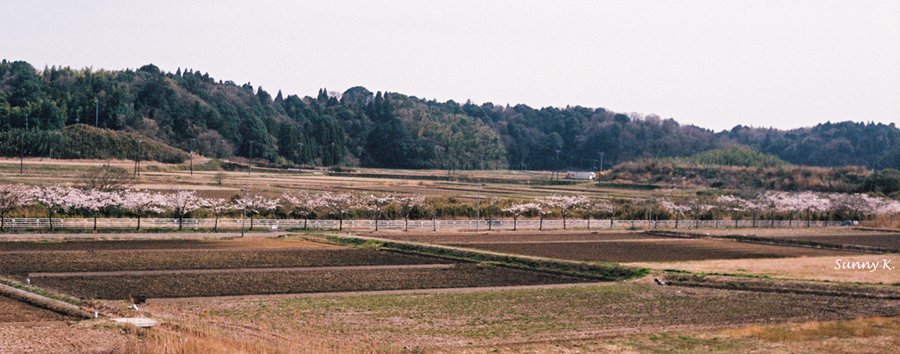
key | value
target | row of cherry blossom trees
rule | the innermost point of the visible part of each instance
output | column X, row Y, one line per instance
column 340, row 206
column 181, row 204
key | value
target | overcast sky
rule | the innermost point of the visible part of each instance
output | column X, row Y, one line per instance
column 713, row 63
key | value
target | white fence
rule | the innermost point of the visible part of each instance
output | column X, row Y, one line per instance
column 505, row 224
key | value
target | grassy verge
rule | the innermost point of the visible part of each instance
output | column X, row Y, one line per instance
column 759, row 284
column 40, row 291
column 595, row 270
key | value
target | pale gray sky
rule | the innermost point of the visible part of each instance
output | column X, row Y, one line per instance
column 713, row 63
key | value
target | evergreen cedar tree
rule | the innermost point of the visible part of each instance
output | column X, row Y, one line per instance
column 190, row 110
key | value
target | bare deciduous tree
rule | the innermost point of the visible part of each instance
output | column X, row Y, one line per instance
column 105, row 179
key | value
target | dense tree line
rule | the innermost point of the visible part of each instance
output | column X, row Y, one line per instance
column 190, row 110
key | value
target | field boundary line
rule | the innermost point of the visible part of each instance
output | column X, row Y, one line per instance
column 594, row 270
column 779, row 242
column 44, row 302
column 878, row 229
column 783, row 286
column 377, row 292
column 239, row 270
column 549, row 241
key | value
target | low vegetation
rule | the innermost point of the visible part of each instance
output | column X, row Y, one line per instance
column 674, row 172
column 81, row 141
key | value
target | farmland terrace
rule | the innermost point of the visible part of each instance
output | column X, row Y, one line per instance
column 614, row 247
column 196, row 268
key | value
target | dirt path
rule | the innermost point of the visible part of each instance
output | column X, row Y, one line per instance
column 239, row 270
column 377, row 292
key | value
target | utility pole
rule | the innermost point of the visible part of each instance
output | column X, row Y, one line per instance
column 557, row 165
column 192, row 157
column 243, row 209
column 250, row 161
column 96, row 112
column 137, row 161
column 601, row 162
column 478, row 208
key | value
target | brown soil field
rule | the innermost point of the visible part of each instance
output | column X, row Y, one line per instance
column 803, row 268
column 530, row 320
column 22, row 263
column 101, row 245
column 292, row 281
column 17, row 311
column 651, row 250
column 513, row 237
column 883, row 240
column 783, row 231
column 95, row 336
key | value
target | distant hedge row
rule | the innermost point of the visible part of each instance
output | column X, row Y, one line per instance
column 85, row 142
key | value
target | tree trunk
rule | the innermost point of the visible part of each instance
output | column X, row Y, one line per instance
column 251, row 223
column 50, row 218
column 406, row 224
column 564, row 221
column 589, row 223
column 216, row 225
column 95, row 222
column 433, row 224
column 180, row 222
column 139, row 222
column 515, row 222
column 305, row 220
column 341, row 224
column 676, row 221
column 490, row 222
column 541, row 225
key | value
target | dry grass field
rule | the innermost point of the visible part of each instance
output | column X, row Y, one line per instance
column 479, row 321
column 465, row 185
column 805, row 268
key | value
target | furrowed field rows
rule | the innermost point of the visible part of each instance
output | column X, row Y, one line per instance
column 885, row 240
column 21, row 263
column 17, row 311
column 288, row 281
column 513, row 237
column 173, row 244
column 650, row 250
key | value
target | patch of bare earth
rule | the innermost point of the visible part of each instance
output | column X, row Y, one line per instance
column 16, row 311
column 651, row 250
column 523, row 318
column 64, row 337
column 821, row 268
column 784, row 231
column 512, row 237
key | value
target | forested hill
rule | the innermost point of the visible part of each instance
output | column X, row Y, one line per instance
column 191, row 110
